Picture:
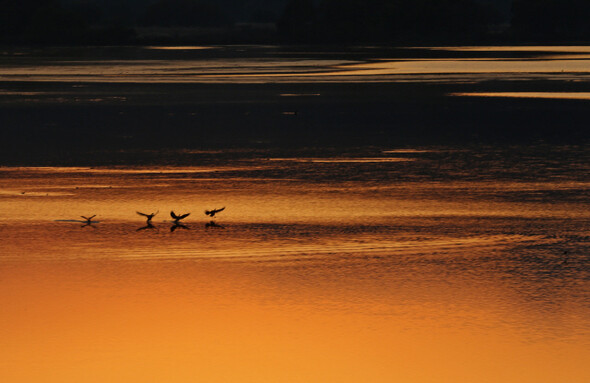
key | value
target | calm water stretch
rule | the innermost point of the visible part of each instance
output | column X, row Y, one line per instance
column 384, row 266
column 368, row 263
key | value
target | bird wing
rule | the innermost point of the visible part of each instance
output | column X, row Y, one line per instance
column 218, row 210
column 145, row 215
column 85, row 218
column 92, row 217
column 184, row 216
column 173, row 215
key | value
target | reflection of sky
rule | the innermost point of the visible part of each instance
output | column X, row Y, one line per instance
column 465, row 66
column 317, row 273
column 265, row 65
column 178, row 48
column 530, row 48
column 547, row 95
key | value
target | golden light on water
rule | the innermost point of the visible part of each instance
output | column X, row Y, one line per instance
column 464, row 66
column 373, row 264
column 547, row 95
column 239, row 320
column 548, row 61
column 519, row 48
column 179, row 47
column 204, row 321
column 344, row 160
column 301, row 279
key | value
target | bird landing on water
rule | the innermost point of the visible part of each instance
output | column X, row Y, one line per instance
column 88, row 219
column 212, row 212
column 179, row 217
column 148, row 216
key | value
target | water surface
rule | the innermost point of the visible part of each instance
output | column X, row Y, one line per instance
column 423, row 264
column 263, row 64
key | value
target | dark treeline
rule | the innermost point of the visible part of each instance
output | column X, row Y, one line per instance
column 297, row 21
column 435, row 21
column 57, row 22
column 184, row 13
column 118, row 21
column 336, row 21
column 551, row 20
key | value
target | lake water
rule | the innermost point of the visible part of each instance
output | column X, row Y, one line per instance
column 66, row 99
column 425, row 264
column 264, row 64
column 391, row 214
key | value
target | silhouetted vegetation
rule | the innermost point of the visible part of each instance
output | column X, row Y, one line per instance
column 386, row 21
column 39, row 21
column 401, row 22
column 298, row 22
column 185, row 13
column 551, row 20
column 50, row 22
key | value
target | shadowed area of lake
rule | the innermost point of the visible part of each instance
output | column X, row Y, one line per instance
column 80, row 100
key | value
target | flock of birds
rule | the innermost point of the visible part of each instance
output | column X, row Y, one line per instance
column 176, row 219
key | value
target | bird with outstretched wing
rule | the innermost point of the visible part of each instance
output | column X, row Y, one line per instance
column 178, row 217
column 88, row 219
column 214, row 211
column 148, row 216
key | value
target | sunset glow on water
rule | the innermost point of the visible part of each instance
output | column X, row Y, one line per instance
column 338, row 268
column 199, row 64
column 414, row 215
column 548, row 95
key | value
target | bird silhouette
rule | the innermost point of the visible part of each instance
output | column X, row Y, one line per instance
column 177, row 218
column 214, row 211
column 148, row 216
column 88, row 219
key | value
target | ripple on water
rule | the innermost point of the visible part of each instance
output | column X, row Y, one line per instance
column 75, row 239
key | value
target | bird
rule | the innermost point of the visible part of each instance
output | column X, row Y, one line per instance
column 88, row 219
column 214, row 211
column 177, row 218
column 148, row 216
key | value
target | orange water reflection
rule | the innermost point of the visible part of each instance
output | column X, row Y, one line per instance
column 456, row 66
column 226, row 321
column 519, row 48
column 344, row 160
column 179, row 47
column 547, row 62
column 547, row 95
column 317, row 275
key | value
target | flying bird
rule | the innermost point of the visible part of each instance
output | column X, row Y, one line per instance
column 214, row 211
column 88, row 219
column 148, row 216
column 177, row 218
